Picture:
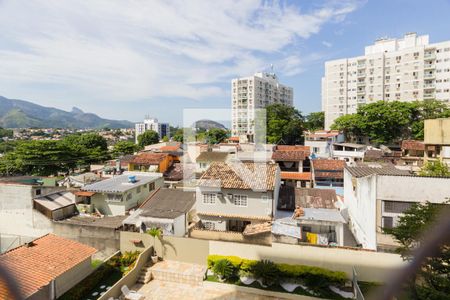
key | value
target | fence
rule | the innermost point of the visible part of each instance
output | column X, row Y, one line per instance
column 356, row 290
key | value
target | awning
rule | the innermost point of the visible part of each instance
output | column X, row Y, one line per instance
column 83, row 193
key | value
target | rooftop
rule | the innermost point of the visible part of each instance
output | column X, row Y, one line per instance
column 236, row 175
column 350, row 145
column 113, row 222
column 120, row 184
column 367, row 169
column 322, row 214
column 168, row 203
column 56, row 200
column 288, row 155
column 307, row 149
column 328, row 164
column 315, row 198
column 44, row 259
column 210, row 156
column 413, row 145
column 296, row 175
column 147, row 158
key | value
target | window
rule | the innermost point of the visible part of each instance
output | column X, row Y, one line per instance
column 209, row 225
column 240, row 200
column 264, row 199
column 387, row 222
column 151, row 186
column 38, row 192
column 138, row 190
column 209, row 198
column 113, row 197
column 129, row 196
column 396, row 206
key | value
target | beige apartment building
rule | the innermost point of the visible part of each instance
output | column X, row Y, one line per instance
column 252, row 93
column 406, row 69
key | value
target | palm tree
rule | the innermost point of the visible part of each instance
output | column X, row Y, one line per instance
column 155, row 233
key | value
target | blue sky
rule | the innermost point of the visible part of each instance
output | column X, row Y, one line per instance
column 124, row 60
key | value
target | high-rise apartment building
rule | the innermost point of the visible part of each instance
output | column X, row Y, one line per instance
column 252, row 93
column 163, row 129
column 406, row 69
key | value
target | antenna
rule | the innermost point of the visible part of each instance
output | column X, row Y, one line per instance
column 271, row 67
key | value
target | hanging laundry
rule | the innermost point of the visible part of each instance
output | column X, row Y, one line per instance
column 311, row 238
column 322, row 239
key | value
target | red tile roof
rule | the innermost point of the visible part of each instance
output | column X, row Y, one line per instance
column 288, row 155
column 234, row 138
column 170, row 148
column 36, row 265
column 296, row 175
column 307, row 149
column 328, row 164
column 149, row 158
column 413, row 145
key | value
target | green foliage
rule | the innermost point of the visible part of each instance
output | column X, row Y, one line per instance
column 124, row 148
column 88, row 148
column 178, row 135
column 6, row 133
column 223, row 268
column 129, row 257
column 432, row 280
column 435, row 168
column 216, row 135
column 311, row 274
column 386, row 122
column 234, row 260
column 283, row 124
column 155, row 232
column 149, row 137
column 165, row 138
column 267, row 271
column 315, row 121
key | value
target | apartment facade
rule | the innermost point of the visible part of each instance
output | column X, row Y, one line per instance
column 406, row 69
column 252, row 93
column 163, row 129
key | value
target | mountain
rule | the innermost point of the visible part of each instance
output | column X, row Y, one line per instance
column 208, row 124
column 21, row 114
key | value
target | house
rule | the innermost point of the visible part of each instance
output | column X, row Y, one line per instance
column 312, row 214
column 151, row 162
column 328, row 172
column 205, row 159
column 232, row 195
column 46, row 268
column 233, row 140
column 168, row 209
column 348, row 151
column 19, row 221
column 289, row 160
column 297, row 179
column 117, row 195
column 413, row 152
column 437, row 140
column 56, row 206
column 321, row 141
column 377, row 194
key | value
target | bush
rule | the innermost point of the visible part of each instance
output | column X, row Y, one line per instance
column 267, row 271
column 314, row 275
column 248, row 264
column 223, row 268
column 234, row 260
column 128, row 258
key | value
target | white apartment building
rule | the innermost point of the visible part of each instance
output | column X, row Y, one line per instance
column 405, row 69
column 252, row 93
column 163, row 129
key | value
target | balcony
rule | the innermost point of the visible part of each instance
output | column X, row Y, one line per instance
column 361, row 66
column 429, row 86
column 361, row 91
column 429, row 66
column 362, row 83
column 361, row 74
column 429, row 56
column 429, row 75
column 428, row 96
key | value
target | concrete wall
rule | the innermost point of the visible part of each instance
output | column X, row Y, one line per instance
column 231, row 236
column 69, row 279
column 224, row 204
column 360, row 197
column 437, row 131
column 413, row 188
column 370, row 265
column 105, row 240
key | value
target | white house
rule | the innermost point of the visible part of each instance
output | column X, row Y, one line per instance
column 348, row 151
column 321, row 141
column 232, row 195
column 376, row 195
column 117, row 195
column 167, row 209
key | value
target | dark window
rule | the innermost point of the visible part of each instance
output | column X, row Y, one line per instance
column 38, row 192
column 388, row 222
column 396, row 206
column 151, row 186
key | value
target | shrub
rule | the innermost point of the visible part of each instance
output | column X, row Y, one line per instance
column 128, row 258
column 267, row 271
column 234, row 260
column 223, row 268
column 311, row 274
column 248, row 264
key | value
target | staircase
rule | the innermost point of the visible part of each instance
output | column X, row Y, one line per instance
column 146, row 274
column 179, row 272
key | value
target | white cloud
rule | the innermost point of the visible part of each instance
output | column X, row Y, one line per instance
column 133, row 50
column 327, row 44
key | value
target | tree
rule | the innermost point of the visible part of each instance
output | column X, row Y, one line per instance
column 178, row 135
column 124, row 148
column 165, row 138
column 283, row 124
column 350, row 125
column 216, row 135
column 155, row 233
column 432, row 280
column 423, row 110
column 315, row 121
column 149, row 137
column 435, row 168
column 88, row 147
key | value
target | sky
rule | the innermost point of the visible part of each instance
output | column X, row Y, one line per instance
column 128, row 59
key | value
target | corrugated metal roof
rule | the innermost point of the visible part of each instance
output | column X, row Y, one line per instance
column 322, row 214
column 375, row 168
column 168, row 203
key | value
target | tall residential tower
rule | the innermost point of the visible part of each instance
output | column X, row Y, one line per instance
column 406, row 69
column 163, row 129
column 251, row 93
